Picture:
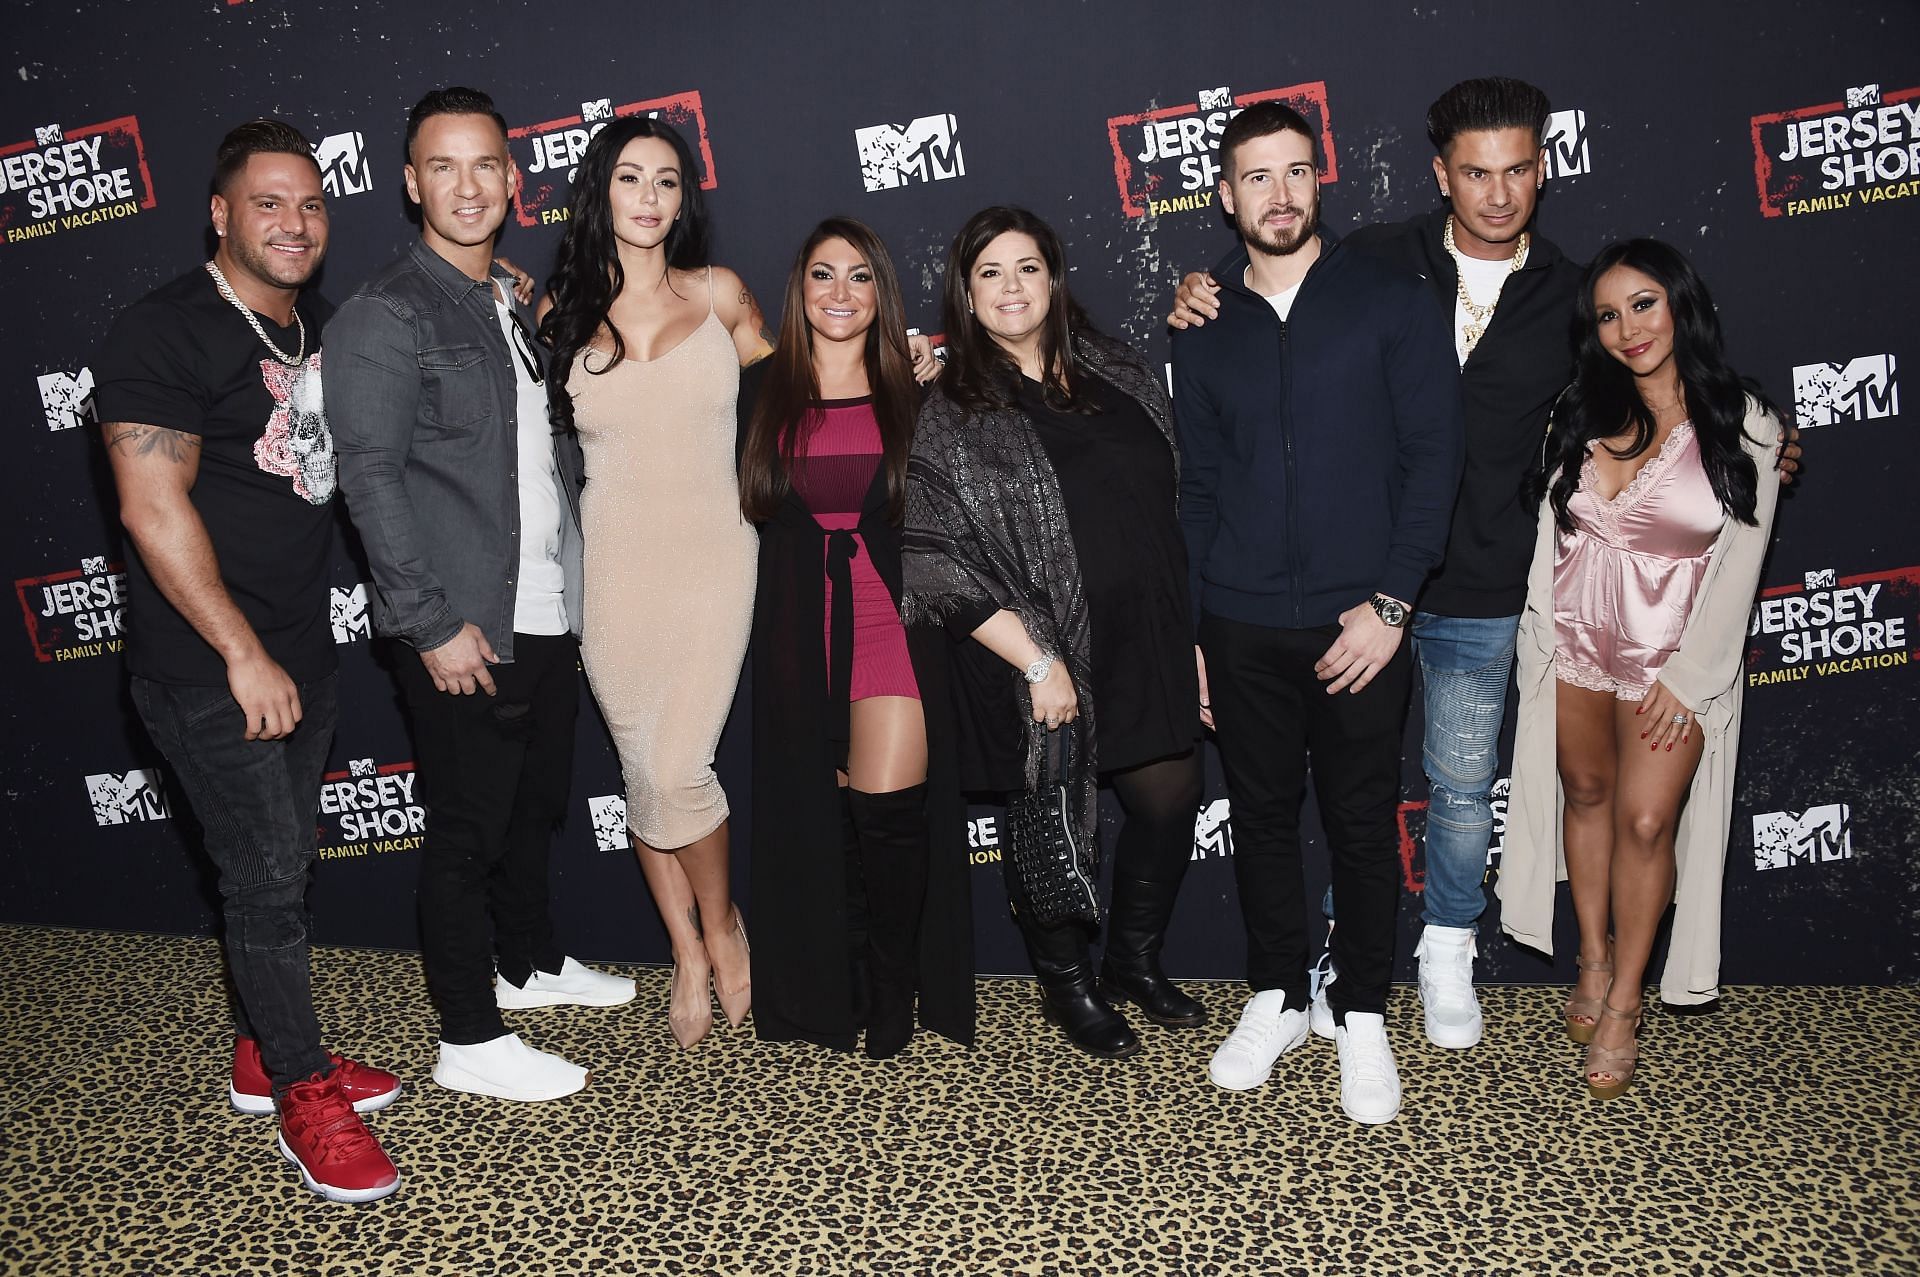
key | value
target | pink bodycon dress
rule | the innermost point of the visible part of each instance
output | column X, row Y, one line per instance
column 833, row 467
column 1625, row 577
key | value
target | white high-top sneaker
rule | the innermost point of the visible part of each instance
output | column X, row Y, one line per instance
column 1446, row 987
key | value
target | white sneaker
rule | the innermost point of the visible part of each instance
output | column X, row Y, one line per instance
column 1446, row 987
column 582, row 986
column 1369, row 1084
column 1320, row 1014
column 1267, row 1031
column 508, row 1069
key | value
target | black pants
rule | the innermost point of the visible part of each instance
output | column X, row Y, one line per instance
column 1271, row 713
column 494, row 774
column 255, row 800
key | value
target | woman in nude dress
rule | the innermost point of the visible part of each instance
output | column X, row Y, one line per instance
column 1656, row 518
column 651, row 339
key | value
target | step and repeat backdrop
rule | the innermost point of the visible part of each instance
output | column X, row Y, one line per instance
column 1779, row 147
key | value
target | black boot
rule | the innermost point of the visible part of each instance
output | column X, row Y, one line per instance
column 859, row 978
column 893, row 859
column 1130, row 971
column 1068, row 997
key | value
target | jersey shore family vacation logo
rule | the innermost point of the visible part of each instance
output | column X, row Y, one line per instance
column 370, row 810
column 924, row 150
column 125, row 798
column 1166, row 159
column 1838, row 155
column 547, row 153
column 1831, row 624
column 1860, row 389
column 65, row 179
column 1818, row 835
column 75, row 614
column 67, row 398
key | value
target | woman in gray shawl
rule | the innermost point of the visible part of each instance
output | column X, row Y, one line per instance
column 1040, row 525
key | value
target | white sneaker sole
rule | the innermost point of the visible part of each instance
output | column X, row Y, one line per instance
column 1249, row 1084
column 509, row 998
column 1451, row 1037
column 458, row 1079
column 260, row 1105
column 333, row 1194
column 1369, row 1119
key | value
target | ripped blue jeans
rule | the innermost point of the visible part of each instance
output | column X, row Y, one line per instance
column 1466, row 664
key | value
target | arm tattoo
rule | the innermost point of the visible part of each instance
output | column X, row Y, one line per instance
column 145, row 441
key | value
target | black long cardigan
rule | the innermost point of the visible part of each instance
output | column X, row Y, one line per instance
column 801, row 987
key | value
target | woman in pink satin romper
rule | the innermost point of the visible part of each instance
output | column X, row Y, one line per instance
column 1662, row 498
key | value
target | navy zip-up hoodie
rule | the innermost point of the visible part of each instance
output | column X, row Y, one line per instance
column 1319, row 457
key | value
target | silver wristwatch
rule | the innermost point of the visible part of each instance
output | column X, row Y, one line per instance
column 1390, row 611
column 1038, row 671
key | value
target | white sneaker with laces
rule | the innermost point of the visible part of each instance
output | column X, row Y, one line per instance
column 1267, row 1031
column 1369, row 1084
column 1446, row 987
column 573, row 983
column 508, row 1069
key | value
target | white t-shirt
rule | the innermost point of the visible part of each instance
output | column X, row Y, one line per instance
column 1484, row 280
column 1282, row 302
column 540, row 603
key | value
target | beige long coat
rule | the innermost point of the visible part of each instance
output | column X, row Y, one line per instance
column 1707, row 675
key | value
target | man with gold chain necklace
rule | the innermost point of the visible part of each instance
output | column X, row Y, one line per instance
column 1512, row 295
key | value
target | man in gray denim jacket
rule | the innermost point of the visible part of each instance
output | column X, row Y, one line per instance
column 467, row 504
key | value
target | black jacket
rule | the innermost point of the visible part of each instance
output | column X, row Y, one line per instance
column 1509, row 384
column 1319, row 456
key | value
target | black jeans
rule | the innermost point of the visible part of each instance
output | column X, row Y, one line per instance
column 256, row 802
column 1271, row 713
column 494, row 774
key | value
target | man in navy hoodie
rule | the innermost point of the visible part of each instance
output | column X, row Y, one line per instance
column 1321, row 440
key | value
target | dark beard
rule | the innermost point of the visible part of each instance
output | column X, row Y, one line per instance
column 1309, row 224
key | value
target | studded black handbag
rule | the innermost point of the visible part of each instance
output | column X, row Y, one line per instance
column 1058, row 875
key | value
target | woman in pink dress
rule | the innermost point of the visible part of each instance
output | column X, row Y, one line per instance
column 1656, row 519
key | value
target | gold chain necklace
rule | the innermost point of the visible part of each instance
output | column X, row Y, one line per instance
column 253, row 321
column 1478, row 316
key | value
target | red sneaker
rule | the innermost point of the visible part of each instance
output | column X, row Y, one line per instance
column 368, row 1089
column 322, row 1135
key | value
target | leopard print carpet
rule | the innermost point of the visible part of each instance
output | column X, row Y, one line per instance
column 1765, row 1140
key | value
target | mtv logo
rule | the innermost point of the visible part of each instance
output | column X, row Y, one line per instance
column 48, row 135
column 1213, row 830
column 347, row 613
column 93, row 564
column 1820, row 580
column 1220, row 99
column 344, row 167
column 927, row 150
column 121, row 798
column 1816, row 836
column 1859, row 390
column 363, row 767
column 609, row 813
column 599, row 109
column 1865, row 95
column 67, row 399
column 1566, row 144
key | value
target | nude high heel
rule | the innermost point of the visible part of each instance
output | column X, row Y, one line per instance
column 735, row 1003
column 1577, row 1006
column 1613, row 1063
column 689, row 1008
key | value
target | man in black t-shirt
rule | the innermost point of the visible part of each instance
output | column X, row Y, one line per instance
column 210, row 394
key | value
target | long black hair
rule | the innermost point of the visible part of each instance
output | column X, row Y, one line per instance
column 977, row 366
column 1605, row 397
column 587, row 275
column 785, row 412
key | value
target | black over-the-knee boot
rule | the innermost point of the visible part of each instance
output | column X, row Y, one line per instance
column 893, row 859
column 1068, row 997
column 859, row 979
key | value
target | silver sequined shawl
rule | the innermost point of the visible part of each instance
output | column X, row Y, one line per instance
column 985, row 522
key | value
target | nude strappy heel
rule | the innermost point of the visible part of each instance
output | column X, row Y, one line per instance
column 1577, row 1029
column 1614, row 1063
